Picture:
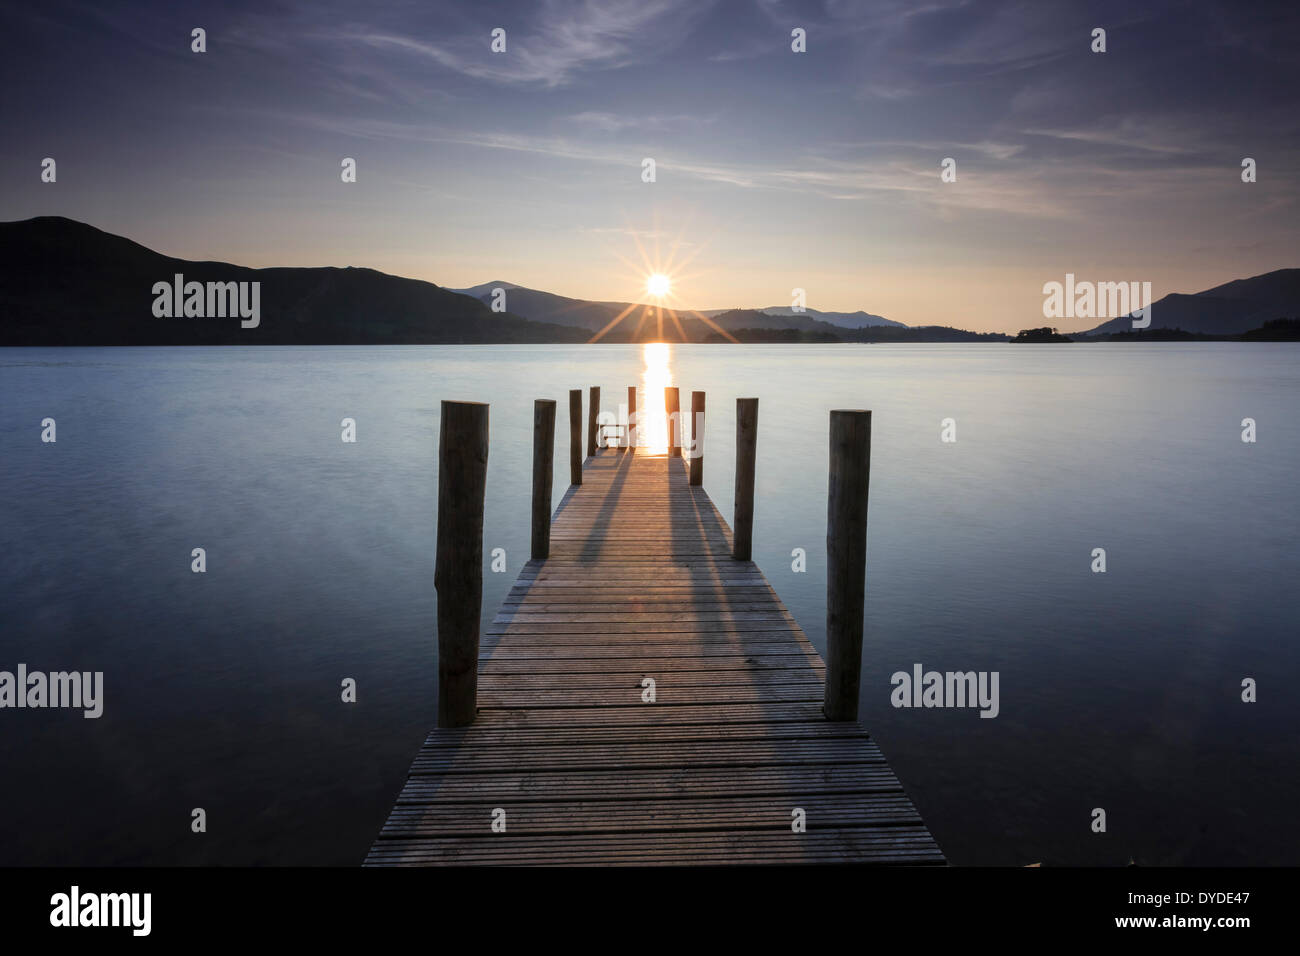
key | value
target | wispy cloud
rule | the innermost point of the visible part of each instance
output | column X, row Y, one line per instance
column 615, row 123
column 984, row 148
column 571, row 37
column 1129, row 133
column 898, row 172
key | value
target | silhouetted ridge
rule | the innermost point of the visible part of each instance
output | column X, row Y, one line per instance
column 63, row 282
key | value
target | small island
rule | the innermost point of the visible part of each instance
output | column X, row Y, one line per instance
column 1044, row 334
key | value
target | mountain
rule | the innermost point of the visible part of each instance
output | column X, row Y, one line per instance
column 1229, row 309
column 749, row 325
column 63, row 282
column 561, row 310
column 846, row 320
column 485, row 288
column 755, row 325
column 539, row 306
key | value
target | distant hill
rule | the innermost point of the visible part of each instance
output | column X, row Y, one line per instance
column 748, row 325
column 539, row 306
column 1274, row 330
column 750, row 336
column 561, row 310
column 485, row 288
column 63, row 282
column 847, row 320
column 921, row 333
column 753, row 325
column 1229, row 309
column 1277, row 330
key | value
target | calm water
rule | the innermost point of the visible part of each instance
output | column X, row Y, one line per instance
column 1118, row 690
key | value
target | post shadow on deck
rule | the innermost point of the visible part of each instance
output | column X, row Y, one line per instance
column 458, row 572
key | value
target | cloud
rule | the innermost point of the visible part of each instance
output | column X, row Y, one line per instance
column 613, row 123
column 998, row 178
column 572, row 37
column 1128, row 134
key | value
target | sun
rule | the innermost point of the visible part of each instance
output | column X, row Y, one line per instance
column 661, row 280
column 658, row 285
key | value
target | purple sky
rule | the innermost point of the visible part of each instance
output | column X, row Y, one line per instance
column 775, row 169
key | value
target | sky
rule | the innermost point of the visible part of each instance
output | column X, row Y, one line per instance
column 774, row 170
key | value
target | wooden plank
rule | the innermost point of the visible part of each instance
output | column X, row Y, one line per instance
column 865, row 845
column 578, row 666
column 653, row 754
column 822, row 811
column 477, row 736
column 599, row 651
column 668, row 696
column 649, row 784
column 678, row 677
column 716, row 715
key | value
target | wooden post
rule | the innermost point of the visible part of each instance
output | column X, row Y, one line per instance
column 575, row 436
column 543, row 473
column 592, row 411
column 846, row 560
column 631, row 416
column 742, row 518
column 673, row 408
column 697, row 438
column 458, row 571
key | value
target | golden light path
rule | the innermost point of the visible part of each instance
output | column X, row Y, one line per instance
column 652, row 420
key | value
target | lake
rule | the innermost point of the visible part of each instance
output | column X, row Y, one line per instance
column 1119, row 690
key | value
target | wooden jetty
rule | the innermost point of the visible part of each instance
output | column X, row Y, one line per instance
column 643, row 697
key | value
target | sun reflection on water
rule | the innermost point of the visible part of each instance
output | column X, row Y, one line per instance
column 652, row 420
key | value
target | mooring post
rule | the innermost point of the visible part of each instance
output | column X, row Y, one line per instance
column 592, row 411
column 697, row 438
column 846, row 560
column 742, row 523
column 631, row 417
column 543, row 474
column 575, row 436
column 458, row 571
column 673, row 408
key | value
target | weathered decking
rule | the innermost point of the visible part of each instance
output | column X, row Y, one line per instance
column 641, row 583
